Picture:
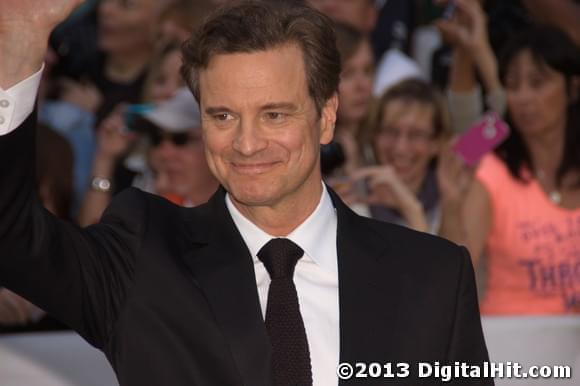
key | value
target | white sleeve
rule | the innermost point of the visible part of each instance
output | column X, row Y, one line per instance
column 17, row 103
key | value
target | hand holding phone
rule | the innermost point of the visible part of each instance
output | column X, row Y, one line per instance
column 449, row 10
column 484, row 136
column 133, row 112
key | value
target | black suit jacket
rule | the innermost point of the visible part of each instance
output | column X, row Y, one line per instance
column 169, row 293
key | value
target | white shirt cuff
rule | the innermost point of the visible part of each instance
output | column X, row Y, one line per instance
column 17, row 103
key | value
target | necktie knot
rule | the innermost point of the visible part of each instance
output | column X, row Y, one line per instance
column 280, row 257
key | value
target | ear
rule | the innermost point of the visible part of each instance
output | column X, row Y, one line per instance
column 328, row 119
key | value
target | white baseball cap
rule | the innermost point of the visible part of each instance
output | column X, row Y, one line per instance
column 176, row 115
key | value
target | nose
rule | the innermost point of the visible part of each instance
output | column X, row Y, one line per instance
column 166, row 149
column 364, row 84
column 522, row 95
column 400, row 145
column 249, row 138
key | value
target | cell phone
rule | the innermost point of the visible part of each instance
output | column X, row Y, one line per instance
column 484, row 136
column 449, row 10
column 135, row 111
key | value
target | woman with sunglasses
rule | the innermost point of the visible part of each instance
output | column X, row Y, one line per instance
column 176, row 163
column 176, row 154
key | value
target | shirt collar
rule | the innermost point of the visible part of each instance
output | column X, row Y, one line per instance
column 316, row 235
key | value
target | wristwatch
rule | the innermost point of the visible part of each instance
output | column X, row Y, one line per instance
column 101, row 184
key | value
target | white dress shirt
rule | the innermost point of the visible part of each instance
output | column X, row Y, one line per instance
column 315, row 275
column 316, row 280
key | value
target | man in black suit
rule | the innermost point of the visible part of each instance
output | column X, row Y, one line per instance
column 274, row 280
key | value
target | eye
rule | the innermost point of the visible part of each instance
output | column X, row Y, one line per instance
column 536, row 82
column 419, row 136
column 510, row 84
column 223, row 117
column 275, row 116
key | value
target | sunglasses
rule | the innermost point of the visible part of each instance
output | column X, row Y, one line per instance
column 177, row 139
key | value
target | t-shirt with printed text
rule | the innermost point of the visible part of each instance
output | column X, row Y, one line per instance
column 533, row 247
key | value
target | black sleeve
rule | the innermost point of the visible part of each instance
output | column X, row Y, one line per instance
column 80, row 276
column 467, row 344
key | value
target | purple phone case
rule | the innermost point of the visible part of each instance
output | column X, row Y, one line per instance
column 481, row 138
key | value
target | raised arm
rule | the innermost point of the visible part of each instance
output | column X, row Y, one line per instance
column 472, row 52
column 80, row 276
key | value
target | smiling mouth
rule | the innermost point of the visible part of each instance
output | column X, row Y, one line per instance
column 253, row 168
column 402, row 168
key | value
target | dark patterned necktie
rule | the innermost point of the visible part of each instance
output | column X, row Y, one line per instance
column 290, row 354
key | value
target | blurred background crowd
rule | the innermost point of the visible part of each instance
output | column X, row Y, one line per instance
column 417, row 75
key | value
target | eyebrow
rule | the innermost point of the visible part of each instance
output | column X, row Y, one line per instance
column 279, row 106
column 269, row 106
column 217, row 109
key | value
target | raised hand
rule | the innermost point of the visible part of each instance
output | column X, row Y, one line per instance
column 40, row 15
column 386, row 188
column 113, row 139
column 467, row 27
column 453, row 177
column 346, row 189
column 84, row 95
column 25, row 26
column 467, row 32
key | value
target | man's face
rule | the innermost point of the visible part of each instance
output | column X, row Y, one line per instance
column 261, row 128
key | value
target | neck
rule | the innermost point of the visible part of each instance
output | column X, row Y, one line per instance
column 125, row 67
column 282, row 218
column 546, row 150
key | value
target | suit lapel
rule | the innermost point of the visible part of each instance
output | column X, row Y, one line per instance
column 368, row 294
column 368, row 288
column 221, row 263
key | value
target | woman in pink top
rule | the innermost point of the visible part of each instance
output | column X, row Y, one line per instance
column 522, row 212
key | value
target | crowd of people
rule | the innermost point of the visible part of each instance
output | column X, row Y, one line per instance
column 115, row 113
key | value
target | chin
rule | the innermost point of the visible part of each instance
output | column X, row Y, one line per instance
column 406, row 175
column 106, row 45
column 253, row 198
column 253, row 194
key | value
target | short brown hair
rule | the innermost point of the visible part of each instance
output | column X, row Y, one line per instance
column 252, row 26
column 414, row 90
